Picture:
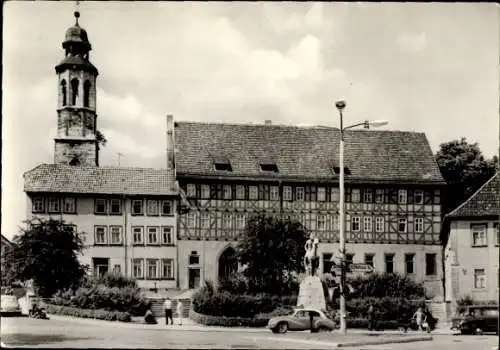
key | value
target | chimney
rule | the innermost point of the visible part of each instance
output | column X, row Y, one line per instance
column 170, row 142
column 268, row 122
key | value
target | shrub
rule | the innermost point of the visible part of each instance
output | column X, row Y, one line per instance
column 385, row 309
column 385, row 285
column 467, row 300
column 235, row 283
column 225, row 321
column 113, row 280
column 99, row 314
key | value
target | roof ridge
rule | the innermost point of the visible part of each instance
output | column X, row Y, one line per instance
column 472, row 196
column 101, row 167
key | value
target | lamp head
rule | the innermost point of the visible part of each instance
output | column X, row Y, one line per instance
column 376, row 123
column 340, row 105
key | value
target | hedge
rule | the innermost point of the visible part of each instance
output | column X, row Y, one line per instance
column 99, row 314
column 225, row 321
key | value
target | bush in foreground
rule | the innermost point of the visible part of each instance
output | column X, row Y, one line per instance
column 99, row 314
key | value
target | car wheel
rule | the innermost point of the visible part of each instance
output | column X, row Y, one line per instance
column 402, row 329
column 282, row 327
column 274, row 330
column 478, row 331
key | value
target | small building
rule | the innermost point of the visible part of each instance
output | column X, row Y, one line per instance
column 471, row 251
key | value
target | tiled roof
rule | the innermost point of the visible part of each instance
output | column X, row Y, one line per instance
column 304, row 153
column 5, row 241
column 485, row 202
column 99, row 180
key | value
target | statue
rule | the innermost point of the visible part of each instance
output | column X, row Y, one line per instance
column 311, row 255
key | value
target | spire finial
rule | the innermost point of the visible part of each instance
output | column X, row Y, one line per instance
column 77, row 12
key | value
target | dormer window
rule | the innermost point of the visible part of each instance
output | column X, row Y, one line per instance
column 271, row 167
column 336, row 170
column 221, row 162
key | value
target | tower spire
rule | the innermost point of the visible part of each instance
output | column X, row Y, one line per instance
column 77, row 11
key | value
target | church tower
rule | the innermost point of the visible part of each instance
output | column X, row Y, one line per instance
column 76, row 142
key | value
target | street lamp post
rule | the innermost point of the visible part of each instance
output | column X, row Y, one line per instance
column 340, row 106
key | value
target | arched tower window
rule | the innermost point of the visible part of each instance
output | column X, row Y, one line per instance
column 64, row 93
column 74, row 161
column 74, row 91
column 86, row 93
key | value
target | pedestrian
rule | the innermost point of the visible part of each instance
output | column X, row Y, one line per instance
column 167, row 307
column 180, row 311
column 149, row 318
column 428, row 320
column 370, row 314
column 419, row 318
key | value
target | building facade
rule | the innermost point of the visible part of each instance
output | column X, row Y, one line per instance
column 230, row 172
column 472, row 248
column 126, row 216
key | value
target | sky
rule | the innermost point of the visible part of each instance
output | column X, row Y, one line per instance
column 429, row 67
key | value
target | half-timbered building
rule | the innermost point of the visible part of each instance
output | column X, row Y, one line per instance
column 230, row 172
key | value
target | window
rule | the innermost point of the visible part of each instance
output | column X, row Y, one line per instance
column 335, row 193
column 100, row 206
column 153, row 235
column 327, row 262
column 191, row 219
column 64, row 93
column 86, row 93
column 137, row 234
column 479, row 236
column 194, row 258
column 300, row 193
column 205, row 220
column 321, row 222
column 419, row 225
column 430, row 264
column 137, row 207
column 419, row 197
column 379, row 224
column 368, row 195
column 287, row 193
column 321, row 194
column 379, row 196
column 227, row 191
column 117, row 269
column 269, row 167
column 205, row 191
column 152, row 207
column 410, row 263
column 367, row 224
column 497, row 233
column 38, row 205
column 479, row 278
column 355, row 224
column 335, row 222
column 137, row 265
column 167, row 269
column 191, row 190
column 101, row 236
column 152, row 269
column 240, row 221
column 226, row 220
column 389, row 263
column 166, row 235
column 167, row 208
column 402, row 225
column 116, row 234
column 74, row 91
column 240, row 192
column 275, row 193
column 355, row 195
column 69, row 205
column 402, row 197
column 349, row 259
column 116, row 206
column 369, row 258
column 437, row 197
column 54, row 206
column 254, row 193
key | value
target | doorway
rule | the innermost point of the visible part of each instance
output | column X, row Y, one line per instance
column 194, row 277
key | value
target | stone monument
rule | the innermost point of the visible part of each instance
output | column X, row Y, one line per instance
column 311, row 290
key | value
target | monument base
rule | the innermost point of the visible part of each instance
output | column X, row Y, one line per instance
column 311, row 293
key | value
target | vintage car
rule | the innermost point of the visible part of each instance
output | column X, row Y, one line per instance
column 9, row 305
column 299, row 320
column 477, row 319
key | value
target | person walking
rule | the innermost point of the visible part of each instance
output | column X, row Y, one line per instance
column 371, row 315
column 167, row 307
column 180, row 311
column 419, row 318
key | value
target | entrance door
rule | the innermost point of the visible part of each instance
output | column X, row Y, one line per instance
column 100, row 266
column 194, row 278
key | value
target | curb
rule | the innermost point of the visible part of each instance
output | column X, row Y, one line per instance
column 384, row 342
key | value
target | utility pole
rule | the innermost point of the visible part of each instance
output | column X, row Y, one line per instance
column 119, row 157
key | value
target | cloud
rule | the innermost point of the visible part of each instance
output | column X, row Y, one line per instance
column 412, row 42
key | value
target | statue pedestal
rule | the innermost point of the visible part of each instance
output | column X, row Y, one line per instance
column 311, row 293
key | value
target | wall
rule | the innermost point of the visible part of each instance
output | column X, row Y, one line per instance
column 85, row 221
column 462, row 258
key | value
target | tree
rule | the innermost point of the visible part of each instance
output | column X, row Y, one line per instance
column 271, row 249
column 465, row 169
column 46, row 252
column 101, row 139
